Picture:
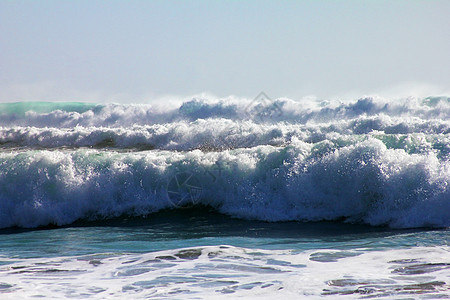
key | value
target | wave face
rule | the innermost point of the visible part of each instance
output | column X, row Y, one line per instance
column 374, row 161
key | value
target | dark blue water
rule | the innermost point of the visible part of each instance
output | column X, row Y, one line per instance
column 173, row 229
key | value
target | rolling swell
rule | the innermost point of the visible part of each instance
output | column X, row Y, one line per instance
column 369, row 161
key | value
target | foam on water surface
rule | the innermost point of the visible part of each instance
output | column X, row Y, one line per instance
column 224, row 271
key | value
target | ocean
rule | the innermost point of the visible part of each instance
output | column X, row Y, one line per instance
column 226, row 198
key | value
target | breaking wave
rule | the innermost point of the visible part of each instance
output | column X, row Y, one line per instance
column 370, row 161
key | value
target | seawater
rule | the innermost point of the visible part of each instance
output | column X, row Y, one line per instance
column 226, row 198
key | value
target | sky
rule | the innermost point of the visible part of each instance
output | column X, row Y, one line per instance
column 140, row 51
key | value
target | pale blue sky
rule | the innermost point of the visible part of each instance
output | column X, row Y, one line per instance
column 136, row 51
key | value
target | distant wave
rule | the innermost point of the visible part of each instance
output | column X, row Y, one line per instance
column 413, row 136
column 68, row 115
column 368, row 161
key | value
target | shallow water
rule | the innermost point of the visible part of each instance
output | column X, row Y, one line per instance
column 197, row 253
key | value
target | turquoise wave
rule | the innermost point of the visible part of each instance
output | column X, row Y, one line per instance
column 20, row 108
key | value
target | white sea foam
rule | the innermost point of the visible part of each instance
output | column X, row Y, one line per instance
column 221, row 272
column 227, row 134
column 361, row 182
column 119, row 115
column 370, row 161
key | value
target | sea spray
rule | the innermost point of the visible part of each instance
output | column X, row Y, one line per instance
column 369, row 161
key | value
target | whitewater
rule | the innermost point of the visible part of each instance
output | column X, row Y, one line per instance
column 264, row 182
column 368, row 161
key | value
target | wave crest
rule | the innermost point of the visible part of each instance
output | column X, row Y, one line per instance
column 370, row 161
column 363, row 182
